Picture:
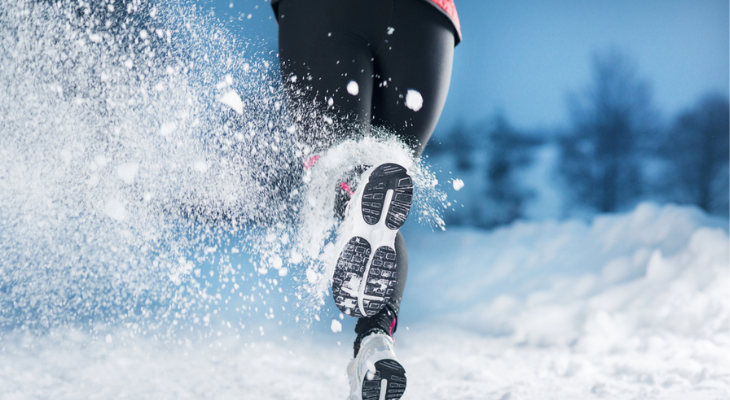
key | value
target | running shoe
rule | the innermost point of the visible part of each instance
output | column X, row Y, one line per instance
column 365, row 273
column 375, row 372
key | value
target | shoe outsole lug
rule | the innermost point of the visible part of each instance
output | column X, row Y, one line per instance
column 382, row 276
column 351, row 265
column 393, row 373
column 388, row 177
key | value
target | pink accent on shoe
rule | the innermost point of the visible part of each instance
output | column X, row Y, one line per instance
column 392, row 326
column 344, row 186
column 311, row 161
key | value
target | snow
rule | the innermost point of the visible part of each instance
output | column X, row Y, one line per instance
column 414, row 100
column 115, row 209
column 200, row 166
column 167, row 128
column 353, row 88
column 458, row 184
column 111, row 291
column 126, row 172
column 232, row 100
column 626, row 306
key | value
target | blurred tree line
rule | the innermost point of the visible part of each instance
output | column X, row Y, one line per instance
column 616, row 152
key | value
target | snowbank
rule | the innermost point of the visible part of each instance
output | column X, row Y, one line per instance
column 657, row 270
column 624, row 307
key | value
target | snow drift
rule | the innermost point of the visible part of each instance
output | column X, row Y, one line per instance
column 626, row 306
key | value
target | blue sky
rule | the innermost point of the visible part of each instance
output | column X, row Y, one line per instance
column 522, row 57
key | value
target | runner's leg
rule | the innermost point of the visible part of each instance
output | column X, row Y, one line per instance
column 418, row 56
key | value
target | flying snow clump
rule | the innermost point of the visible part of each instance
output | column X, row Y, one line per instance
column 353, row 88
column 414, row 100
column 233, row 100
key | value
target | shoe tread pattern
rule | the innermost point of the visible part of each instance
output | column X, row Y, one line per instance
column 388, row 177
column 351, row 264
column 395, row 375
column 382, row 277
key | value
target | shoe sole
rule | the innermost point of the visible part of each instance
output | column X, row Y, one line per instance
column 388, row 383
column 364, row 280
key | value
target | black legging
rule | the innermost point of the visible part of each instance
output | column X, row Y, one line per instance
column 387, row 47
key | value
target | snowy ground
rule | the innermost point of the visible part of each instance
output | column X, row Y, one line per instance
column 106, row 151
column 631, row 306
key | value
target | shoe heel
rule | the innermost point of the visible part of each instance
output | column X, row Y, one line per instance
column 390, row 377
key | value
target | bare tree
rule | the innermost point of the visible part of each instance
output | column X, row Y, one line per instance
column 508, row 151
column 611, row 120
column 697, row 153
column 462, row 144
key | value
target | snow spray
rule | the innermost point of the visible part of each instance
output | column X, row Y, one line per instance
column 151, row 176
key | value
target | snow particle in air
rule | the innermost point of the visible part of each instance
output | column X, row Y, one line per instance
column 353, row 88
column 414, row 100
column 391, row 30
column 232, row 100
column 336, row 326
column 458, row 184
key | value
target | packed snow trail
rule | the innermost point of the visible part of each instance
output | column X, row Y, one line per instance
column 658, row 330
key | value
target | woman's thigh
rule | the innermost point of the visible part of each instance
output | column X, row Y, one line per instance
column 417, row 59
column 324, row 46
column 386, row 47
